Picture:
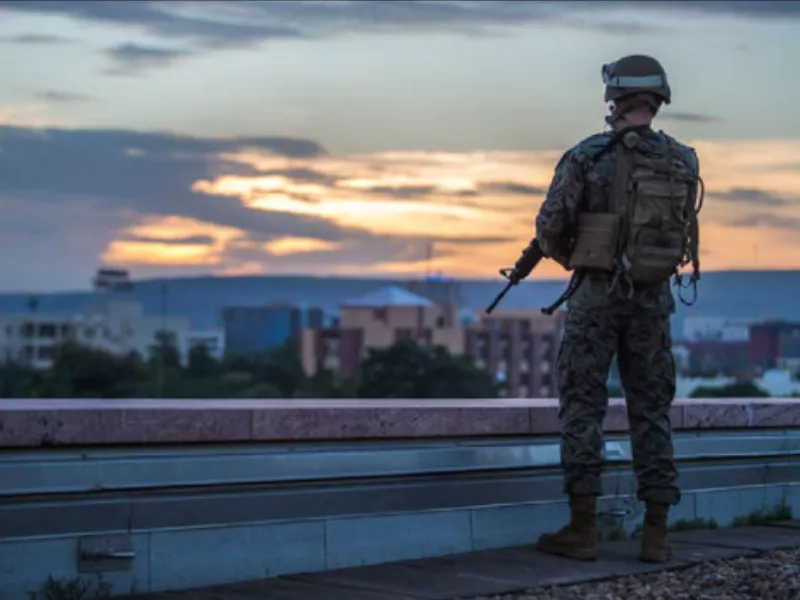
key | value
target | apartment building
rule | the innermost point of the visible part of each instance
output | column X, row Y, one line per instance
column 519, row 347
column 775, row 344
column 111, row 323
column 377, row 320
column 702, row 328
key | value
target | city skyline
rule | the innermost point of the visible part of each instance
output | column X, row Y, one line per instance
column 343, row 138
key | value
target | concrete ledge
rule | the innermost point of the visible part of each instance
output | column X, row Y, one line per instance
column 175, row 559
column 38, row 423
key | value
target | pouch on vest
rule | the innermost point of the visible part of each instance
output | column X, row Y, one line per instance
column 657, row 220
column 595, row 242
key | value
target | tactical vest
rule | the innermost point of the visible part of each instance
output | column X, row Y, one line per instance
column 650, row 226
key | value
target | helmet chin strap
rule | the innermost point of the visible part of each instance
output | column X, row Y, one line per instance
column 616, row 115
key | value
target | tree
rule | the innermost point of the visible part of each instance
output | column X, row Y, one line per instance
column 201, row 363
column 325, row 384
column 261, row 391
column 407, row 370
column 83, row 372
column 17, row 380
column 164, row 352
column 279, row 367
column 740, row 389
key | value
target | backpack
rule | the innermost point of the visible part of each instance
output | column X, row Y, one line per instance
column 650, row 228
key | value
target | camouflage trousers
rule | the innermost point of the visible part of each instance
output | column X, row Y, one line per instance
column 636, row 330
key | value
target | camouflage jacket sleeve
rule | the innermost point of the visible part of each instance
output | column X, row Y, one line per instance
column 559, row 212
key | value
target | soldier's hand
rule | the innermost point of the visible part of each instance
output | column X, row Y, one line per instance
column 524, row 266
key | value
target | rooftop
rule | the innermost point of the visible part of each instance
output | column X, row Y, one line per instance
column 388, row 296
column 321, row 476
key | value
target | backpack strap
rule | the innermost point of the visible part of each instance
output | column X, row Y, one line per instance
column 620, row 204
column 618, row 201
column 693, row 208
column 692, row 245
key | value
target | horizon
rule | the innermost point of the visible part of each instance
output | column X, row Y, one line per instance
column 400, row 279
column 341, row 139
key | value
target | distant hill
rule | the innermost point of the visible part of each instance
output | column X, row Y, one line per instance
column 732, row 294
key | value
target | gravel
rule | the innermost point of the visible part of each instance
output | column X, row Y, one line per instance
column 773, row 575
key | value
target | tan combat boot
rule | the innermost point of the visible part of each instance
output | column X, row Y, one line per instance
column 655, row 547
column 579, row 538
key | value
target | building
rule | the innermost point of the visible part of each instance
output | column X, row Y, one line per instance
column 438, row 289
column 519, row 348
column 682, row 356
column 707, row 356
column 703, row 328
column 256, row 329
column 377, row 320
column 775, row 344
column 111, row 323
column 112, row 280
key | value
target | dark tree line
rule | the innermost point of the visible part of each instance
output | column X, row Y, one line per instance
column 404, row 370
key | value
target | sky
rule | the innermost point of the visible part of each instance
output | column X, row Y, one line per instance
column 365, row 138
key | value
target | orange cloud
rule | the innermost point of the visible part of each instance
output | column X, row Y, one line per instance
column 453, row 196
column 30, row 115
column 160, row 241
column 296, row 245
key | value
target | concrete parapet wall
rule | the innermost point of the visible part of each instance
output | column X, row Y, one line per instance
column 204, row 492
column 38, row 423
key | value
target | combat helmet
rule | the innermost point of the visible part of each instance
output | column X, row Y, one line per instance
column 635, row 74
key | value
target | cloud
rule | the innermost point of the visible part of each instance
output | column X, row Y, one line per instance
column 767, row 9
column 188, row 240
column 687, row 117
column 404, row 192
column 62, row 241
column 148, row 172
column 237, row 24
column 173, row 240
column 134, row 59
column 165, row 204
column 304, row 175
column 242, row 24
column 160, row 20
column 25, row 116
column 396, row 193
column 510, row 187
column 751, row 196
column 768, row 221
column 61, row 97
column 203, row 26
column 286, row 246
column 36, row 39
column 182, row 204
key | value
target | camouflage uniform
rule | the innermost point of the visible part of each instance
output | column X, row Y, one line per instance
column 604, row 320
column 600, row 325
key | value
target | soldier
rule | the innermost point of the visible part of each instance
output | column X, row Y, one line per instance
column 621, row 213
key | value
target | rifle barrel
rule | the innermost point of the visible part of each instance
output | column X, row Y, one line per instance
column 499, row 297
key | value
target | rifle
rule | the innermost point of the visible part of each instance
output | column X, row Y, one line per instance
column 522, row 268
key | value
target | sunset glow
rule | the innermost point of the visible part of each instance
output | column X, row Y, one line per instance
column 168, row 241
column 451, row 195
column 376, row 139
